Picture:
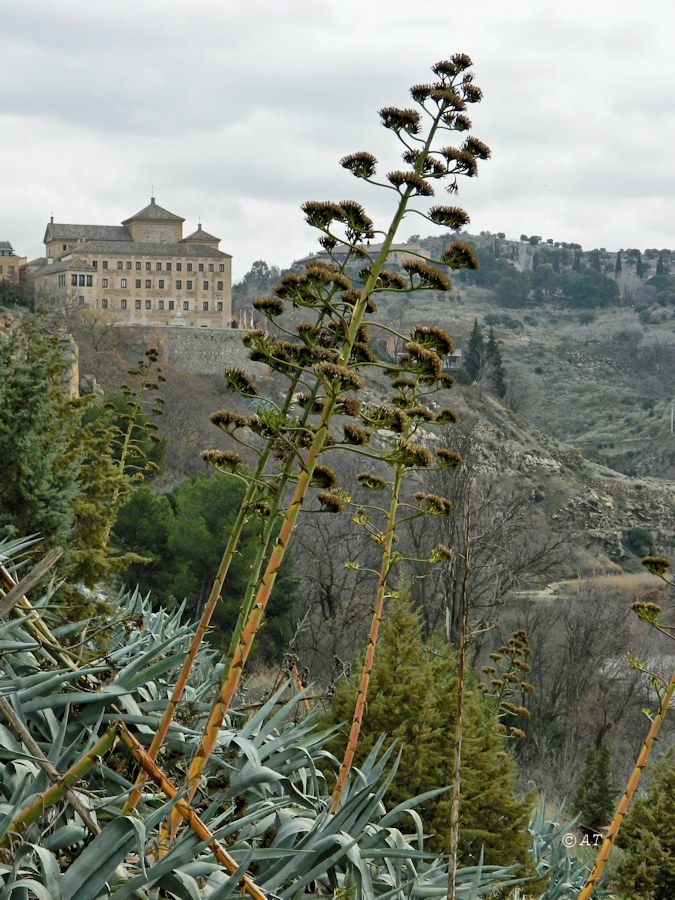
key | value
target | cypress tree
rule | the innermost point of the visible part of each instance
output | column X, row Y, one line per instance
column 647, row 837
column 617, row 265
column 660, row 265
column 639, row 267
column 596, row 794
column 475, row 353
column 576, row 265
column 38, row 427
column 595, row 261
column 493, row 356
column 409, row 700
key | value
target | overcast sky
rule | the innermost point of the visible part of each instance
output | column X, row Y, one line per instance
column 236, row 111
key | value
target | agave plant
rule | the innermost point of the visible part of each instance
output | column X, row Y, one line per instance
column 263, row 807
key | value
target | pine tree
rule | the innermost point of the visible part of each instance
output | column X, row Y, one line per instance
column 594, row 801
column 493, row 357
column 647, row 837
column 617, row 265
column 475, row 353
column 410, row 700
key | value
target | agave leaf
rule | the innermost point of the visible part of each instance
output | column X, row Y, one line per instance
column 87, row 876
column 180, row 885
column 51, row 875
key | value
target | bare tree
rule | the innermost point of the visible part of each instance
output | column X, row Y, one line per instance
column 511, row 546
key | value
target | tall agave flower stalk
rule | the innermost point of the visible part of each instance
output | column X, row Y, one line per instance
column 331, row 353
column 647, row 612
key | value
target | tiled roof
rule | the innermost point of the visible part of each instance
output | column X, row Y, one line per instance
column 58, row 231
column 155, row 212
column 200, row 236
column 148, row 248
column 64, row 265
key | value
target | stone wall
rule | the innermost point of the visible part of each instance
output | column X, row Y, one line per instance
column 199, row 351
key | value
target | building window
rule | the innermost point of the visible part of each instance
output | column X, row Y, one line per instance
column 220, row 285
column 138, row 267
column 221, row 267
column 205, row 306
column 179, row 267
column 161, row 283
column 205, row 285
column 105, row 263
column 179, row 285
column 94, row 264
column 104, row 303
column 186, row 304
column 148, row 282
column 148, row 304
column 65, row 246
column 62, row 279
column 189, row 285
column 148, row 267
column 81, row 300
column 160, row 304
column 210, row 267
column 123, row 282
column 73, row 280
column 189, row 267
column 138, row 283
column 80, row 280
column 201, row 267
column 220, row 307
column 104, row 282
column 123, row 304
column 138, row 304
column 159, row 267
column 129, row 264
column 171, row 304
column 90, row 280
column 120, row 264
column 168, row 267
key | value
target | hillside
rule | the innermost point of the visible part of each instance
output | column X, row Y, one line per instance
column 594, row 372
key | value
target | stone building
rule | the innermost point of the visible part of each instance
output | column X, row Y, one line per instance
column 142, row 272
column 10, row 263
